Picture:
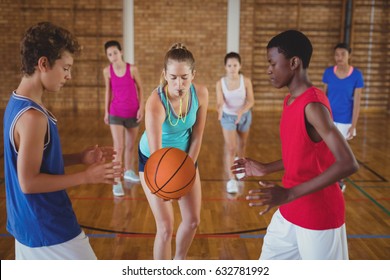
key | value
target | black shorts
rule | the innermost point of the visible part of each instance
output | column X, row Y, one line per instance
column 126, row 122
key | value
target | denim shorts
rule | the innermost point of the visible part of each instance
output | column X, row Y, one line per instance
column 126, row 122
column 228, row 121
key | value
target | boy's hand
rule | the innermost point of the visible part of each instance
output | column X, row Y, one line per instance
column 101, row 172
column 96, row 154
column 248, row 167
column 270, row 195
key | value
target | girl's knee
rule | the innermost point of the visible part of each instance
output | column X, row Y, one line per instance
column 193, row 224
column 165, row 230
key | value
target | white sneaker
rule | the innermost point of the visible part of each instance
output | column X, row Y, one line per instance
column 117, row 190
column 131, row 176
column 232, row 186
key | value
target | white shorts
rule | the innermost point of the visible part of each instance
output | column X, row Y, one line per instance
column 343, row 128
column 77, row 248
column 286, row 241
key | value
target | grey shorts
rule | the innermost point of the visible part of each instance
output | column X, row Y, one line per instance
column 126, row 122
column 228, row 122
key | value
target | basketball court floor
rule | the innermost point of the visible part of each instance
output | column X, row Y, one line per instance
column 123, row 228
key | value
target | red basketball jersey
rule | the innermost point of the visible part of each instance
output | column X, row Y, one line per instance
column 303, row 160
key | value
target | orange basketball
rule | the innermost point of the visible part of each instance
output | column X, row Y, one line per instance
column 169, row 173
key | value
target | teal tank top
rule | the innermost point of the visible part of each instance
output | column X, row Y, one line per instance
column 178, row 136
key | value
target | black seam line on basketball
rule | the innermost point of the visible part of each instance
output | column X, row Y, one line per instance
column 173, row 175
column 153, row 233
column 192, row 179
column 155, row 174
column 383, row 179
column 161, row 192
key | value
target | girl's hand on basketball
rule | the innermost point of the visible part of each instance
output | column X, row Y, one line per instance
column 249, row 167
column 96, row 154
column 269, row 195
column 102, row 172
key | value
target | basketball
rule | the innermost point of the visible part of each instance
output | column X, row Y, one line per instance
column 169, row 173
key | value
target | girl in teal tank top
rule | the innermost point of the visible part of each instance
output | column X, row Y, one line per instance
column 175, row 116
column 176, row 130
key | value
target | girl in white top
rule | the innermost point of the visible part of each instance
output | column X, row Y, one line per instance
column 234, row 101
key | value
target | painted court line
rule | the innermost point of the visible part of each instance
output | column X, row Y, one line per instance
column 243, row 236
column 384, row 209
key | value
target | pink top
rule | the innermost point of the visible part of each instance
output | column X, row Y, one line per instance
column 124, row 101
column 304, row 160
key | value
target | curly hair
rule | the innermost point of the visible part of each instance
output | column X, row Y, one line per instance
column 45, row 40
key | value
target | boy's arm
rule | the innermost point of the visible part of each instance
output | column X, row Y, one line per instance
column 90, row 156
column 251, row 167
column 29, row 135
column 345, row 163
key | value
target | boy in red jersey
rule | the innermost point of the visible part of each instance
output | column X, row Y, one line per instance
column 310, row 221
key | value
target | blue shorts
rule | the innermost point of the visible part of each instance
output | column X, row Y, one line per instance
column 142, row 161
column 228, row 121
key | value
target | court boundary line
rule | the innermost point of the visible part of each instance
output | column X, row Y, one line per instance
column 360, row 189
column 148, row 233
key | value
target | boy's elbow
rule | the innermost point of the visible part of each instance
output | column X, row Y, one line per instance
column 355, row 166
column 352, row 167
column 26, row 187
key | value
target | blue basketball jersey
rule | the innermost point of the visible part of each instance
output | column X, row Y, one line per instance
column 41, row 219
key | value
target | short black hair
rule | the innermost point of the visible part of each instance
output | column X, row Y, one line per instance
column 112, row 43
column 343, row 46
column 293, row 43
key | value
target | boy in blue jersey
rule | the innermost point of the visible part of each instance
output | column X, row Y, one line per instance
column 39, row 212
